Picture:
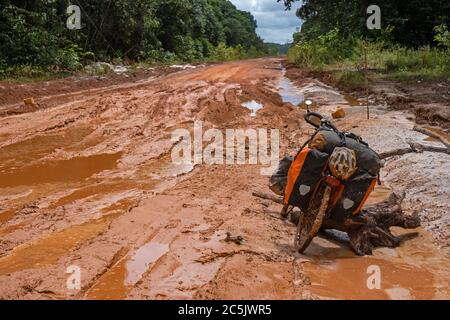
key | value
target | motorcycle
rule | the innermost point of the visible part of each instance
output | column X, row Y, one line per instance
column 321, row 203
column 334, row 196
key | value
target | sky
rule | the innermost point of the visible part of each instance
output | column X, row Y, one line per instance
column 274, row 23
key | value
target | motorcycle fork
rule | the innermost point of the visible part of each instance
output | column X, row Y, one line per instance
column 337, row 189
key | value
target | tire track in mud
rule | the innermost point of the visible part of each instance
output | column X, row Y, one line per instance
column 157, row 231
column 134, row 121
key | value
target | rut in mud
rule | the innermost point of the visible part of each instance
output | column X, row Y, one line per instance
column 89, row 182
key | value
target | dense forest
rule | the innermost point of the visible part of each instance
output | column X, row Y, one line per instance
column 412, row 21
column 281, row 48
column 34, row 32
column 414, row 38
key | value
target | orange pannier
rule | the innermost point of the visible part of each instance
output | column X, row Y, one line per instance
column 304, row 176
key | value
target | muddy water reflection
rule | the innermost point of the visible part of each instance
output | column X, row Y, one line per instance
column 47, row 250
column 74, row 169
column 415, row 270
column 348, row 276
column 120, row 279
column 40, row 146
column 288, row 91
column 7, row 215
column 353, row 102
column 253, row 106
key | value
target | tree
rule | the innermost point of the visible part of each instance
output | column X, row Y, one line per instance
column 412, row 21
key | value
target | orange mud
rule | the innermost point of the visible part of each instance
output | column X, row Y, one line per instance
column 88, row 181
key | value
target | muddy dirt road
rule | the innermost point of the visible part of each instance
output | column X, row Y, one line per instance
column 88, row 183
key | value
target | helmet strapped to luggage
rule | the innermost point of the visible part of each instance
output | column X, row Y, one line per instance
column 342, row 163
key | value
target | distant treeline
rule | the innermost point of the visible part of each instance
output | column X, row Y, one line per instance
column 34, row 32
column 280, row 48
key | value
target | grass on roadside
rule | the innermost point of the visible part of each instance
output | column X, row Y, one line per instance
column 28, row 73
column 390, row 62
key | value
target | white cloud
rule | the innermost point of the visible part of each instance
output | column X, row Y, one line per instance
column 274, row 23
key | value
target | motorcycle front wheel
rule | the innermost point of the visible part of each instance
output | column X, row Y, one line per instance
column 311, row 220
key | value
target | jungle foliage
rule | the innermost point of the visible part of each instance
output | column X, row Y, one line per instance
column 414, row 39
column 33, row 33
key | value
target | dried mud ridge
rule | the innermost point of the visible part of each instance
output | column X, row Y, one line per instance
column 88, row 181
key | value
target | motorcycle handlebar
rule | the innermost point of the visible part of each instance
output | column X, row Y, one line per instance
column 323, row 122
column 313, row 114
column 327, row 124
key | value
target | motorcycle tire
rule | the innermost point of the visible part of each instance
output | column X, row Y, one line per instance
column 311, row 220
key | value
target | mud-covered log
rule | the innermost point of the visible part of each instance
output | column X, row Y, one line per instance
column 372, row 228
column 413, row 148
column 432, row 135
column 266, row 196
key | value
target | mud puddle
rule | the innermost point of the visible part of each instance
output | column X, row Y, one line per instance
column 288, row 91
column 7, row 215
column 97, row 189
column 353, row 102
column 74, row 169
column 40, row 146
column 120, row 279
column 337, row 273
column 47, row 250
column 150, row 175
column 417, row 270
column 253, row 106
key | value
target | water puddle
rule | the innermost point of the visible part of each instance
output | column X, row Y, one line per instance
column 49, row 249
column 142, row 259
column 40, row 146
column 110, row 286
column 75, row 169
column 163, row 168
column 253, row 106
column 348, row 277
column 7, row 215
column 288, row 91
column 380, row 194
column 415, row 270
column 117, row 282
column 353, row 102
column 92, row 190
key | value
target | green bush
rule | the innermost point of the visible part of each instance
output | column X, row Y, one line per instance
column 25, row 73
column 325, row 50
column 350, row 80
column 222, row 53
column 402, row 59
column 442, row 36
column 188, row 49
column 69, row 58
column 34, row 37
column 331, row 52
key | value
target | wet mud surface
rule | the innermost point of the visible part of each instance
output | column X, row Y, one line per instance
column 88, row 181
